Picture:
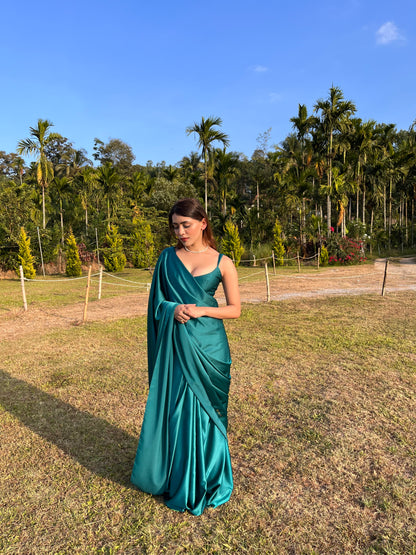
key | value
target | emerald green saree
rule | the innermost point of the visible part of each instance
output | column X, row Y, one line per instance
column 183, row 449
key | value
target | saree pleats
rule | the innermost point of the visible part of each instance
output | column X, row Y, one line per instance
column 183, row 449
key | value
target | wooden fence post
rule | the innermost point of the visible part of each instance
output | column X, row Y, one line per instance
column 267, row 282
column 22, row 281
column 319, row 256
column 254, row 260
column 298, row 257
column 84, row 318
column 100, row 282
column 383, row 289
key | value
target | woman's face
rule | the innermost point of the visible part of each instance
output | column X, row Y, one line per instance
column 188, row 231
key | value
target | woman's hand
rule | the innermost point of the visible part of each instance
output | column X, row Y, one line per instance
column 183, row 312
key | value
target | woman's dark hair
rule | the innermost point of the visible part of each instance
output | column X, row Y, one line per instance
column 191, row 208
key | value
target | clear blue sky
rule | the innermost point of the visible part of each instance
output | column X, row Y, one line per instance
column 143, row 70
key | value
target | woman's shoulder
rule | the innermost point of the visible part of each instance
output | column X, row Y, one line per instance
column 225, row 259
column 226, row 264
column 164, row 256
column 165, row 252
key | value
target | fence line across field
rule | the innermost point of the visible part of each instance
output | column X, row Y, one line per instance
column 136, row 285
column 89, row 279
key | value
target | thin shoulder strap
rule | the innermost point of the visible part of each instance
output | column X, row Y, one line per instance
column 219, row 258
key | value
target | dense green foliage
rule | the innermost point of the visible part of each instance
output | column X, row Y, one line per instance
column 114, row 257
column 73, row 261
column 231, row 244
column 324, row 256
column 143, row 249
column 334, row 176
column 25, row 256
column 278, row 247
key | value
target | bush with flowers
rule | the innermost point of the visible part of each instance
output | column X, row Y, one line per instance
column 343, row 250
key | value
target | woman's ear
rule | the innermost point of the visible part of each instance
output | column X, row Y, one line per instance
column 204, row 223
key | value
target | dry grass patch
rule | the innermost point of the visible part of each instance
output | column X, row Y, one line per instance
column 322, row 434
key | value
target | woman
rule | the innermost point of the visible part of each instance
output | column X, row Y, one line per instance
column 183, row 449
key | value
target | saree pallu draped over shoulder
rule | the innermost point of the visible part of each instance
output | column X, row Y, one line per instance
column 183, row 448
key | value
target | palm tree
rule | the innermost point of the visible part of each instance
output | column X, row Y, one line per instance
column 140, row 184
column 385, row 136
column 60, row 189
column 19, row 166
column 334, row 118
column 86, row 181
column 191, row 169
column 303, row 125
column 225, row 170
column 363, row 143
column 35, row 144
column 207, row 134
column 170, row 172
column 110, row 181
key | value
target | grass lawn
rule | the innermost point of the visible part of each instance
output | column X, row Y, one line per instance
column 56, row 291
column 322, row 435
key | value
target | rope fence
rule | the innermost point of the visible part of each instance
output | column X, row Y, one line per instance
column 396, row 268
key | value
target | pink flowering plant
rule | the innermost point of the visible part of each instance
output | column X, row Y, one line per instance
column 343, row 250
column 86, row 256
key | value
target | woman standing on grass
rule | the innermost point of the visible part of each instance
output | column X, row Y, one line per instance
column 183, row 448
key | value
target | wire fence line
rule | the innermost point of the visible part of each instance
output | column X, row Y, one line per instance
column 62, row 280
column 272, row 257
column 366, row 281
column 146, row 285
column 54, row 281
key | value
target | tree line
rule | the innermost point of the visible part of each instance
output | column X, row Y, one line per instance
column 334, row 181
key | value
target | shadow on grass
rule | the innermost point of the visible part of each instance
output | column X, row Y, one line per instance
column 96, row 444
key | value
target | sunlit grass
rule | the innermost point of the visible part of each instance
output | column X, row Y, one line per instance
column 322, row 435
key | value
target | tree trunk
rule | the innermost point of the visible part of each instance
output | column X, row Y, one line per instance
column 43, row 207
column 224, row 204
column 258, row 200
column 371, row 229
column 344, row 226
column 357, row 211
column 390, row 213
column 62, row 221
column 406, row 233
column 363, row 204
column 357, row 208
column 328, row 213
column 206, row 182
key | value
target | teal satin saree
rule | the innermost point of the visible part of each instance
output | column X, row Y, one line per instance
column 183, row 449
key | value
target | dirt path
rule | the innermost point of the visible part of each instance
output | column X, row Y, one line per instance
column 351, row 280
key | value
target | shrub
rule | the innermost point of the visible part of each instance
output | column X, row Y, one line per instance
column 86, row 256
column 114, row 257
column 25, row 256
column 324, row 256
column 73, row 261
column 278, row 247
column 345, row 251
column 143, row 249
column 231, row 244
